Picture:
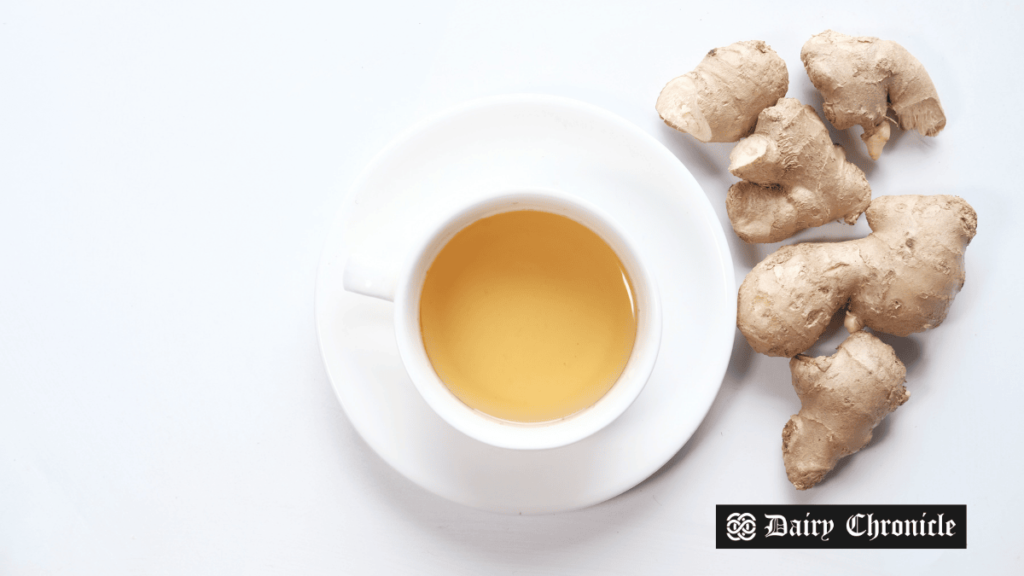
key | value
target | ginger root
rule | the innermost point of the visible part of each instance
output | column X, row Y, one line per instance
column 794, row 177
column 900, row 279
column 861, row 77
column 843, row 397
column 720, row 99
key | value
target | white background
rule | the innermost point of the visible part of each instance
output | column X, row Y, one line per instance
column 169, row 172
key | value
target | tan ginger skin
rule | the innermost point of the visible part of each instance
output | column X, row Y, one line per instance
column 794, row 177
column 843, row 397
column 720, row 99
column 900, row 279
column 861, row 77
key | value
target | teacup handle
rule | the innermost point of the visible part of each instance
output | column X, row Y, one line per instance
column 369, row 277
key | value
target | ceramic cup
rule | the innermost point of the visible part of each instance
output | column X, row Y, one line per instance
column 403, row 283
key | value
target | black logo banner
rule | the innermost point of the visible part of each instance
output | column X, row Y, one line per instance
column 841, row 526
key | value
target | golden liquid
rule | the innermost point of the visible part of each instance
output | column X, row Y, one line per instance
column 527, row 316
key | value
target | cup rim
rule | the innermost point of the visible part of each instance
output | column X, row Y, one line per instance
column 528, row 435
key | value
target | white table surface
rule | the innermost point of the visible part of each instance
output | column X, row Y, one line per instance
column 169, row 172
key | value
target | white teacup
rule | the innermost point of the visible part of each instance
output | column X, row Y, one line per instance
column 403, row 287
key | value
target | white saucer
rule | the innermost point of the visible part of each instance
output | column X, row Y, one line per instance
column 531, row 141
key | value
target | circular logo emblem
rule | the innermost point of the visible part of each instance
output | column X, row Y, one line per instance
column 740, row 526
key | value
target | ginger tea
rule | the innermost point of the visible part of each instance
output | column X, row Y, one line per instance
column 528, row 316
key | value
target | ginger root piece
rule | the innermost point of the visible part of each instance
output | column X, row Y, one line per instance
column 720, row 99
column 843, row 397
column 794, row 177
column 861, row 77
column 900, row 279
